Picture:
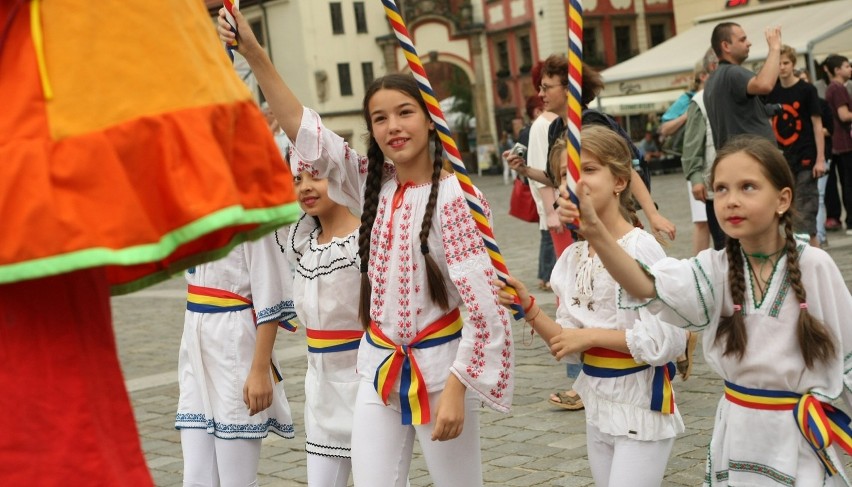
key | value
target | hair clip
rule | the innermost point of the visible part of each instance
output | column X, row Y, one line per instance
column 737, row 307
column 803, row 305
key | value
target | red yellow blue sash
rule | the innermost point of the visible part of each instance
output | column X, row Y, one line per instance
column 209, row 300
column 603, row 362
column 201, row 299
column 413, row 396
column 820, row 423
column 326, row 341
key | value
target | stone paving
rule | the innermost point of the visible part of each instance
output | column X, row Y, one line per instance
column 536, row 444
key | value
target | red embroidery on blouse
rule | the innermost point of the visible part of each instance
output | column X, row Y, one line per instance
column 462, row 240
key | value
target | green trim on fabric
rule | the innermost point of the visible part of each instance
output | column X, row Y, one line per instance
column 268, row 218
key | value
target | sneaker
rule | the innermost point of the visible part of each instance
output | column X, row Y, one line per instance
column 832, row 225
column 849, row 232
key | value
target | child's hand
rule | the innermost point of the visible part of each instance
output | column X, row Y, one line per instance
column 257, row 391
column 569, row 340
column 449, row 413
column 569, row 212
column 507, row 299
column 247, row 42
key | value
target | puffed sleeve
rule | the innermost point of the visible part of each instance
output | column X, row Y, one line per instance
column 650, row 339
column 485, row 358
column 830, row 302
column 271, row 280
column 689, row 291
column 324, row 154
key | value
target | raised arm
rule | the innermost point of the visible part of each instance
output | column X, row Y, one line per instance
column 283, row 103
column 766, row 78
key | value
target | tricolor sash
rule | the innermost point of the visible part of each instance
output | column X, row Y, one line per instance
column 603, row 362
column 326, row 341
column 413, row 396
column 210, row 300
column 200, row 299
column 820, row 423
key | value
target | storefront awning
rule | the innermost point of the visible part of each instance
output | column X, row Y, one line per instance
column 816, row 29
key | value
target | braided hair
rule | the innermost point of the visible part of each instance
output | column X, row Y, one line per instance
column 375, row 176
column 814, row 339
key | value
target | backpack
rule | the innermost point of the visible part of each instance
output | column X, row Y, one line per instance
column 594, row 117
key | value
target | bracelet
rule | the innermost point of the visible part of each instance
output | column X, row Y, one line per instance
column 532, row 302
column 531, row 320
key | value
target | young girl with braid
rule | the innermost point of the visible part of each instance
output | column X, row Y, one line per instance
column 627, row 355
column 775, row 313
column 424, row 368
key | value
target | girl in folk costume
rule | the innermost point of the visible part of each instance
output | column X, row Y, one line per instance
column 231, row 392
column 424, row 369
column 627, row 354
column 323, row 249
column 100, row 198
column 774, row 310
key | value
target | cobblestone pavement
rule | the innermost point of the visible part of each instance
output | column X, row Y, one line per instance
column 536, row 444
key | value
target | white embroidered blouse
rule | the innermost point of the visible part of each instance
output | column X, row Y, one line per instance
column 618, row 406
column 483, row 359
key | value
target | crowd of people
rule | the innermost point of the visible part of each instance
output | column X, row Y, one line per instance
column 409, row 328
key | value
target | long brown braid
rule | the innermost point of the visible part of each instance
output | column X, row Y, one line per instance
column 732, row 328
column 814, row 339
column 375, row 174
column 434, row 278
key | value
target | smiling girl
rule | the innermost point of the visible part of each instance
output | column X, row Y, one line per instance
column 625, row 383
column 775, row 314
column 323, row 249
column 424, row 368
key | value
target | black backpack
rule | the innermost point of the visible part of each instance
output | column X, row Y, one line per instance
column 594, row 117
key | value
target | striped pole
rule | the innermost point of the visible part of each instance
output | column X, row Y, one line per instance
column 575, row 90
column 452, row 152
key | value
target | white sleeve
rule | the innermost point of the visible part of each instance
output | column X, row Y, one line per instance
column 270, row 278
column 485, row 358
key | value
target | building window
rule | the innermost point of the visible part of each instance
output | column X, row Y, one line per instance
column 502, row 59
column 592, row 54
column 360, row 18
column 336, row 17
column 257, row 28
column 658, row 34
column 526, row 53
column 367, row 72
column 623, row 43
column 345, row 79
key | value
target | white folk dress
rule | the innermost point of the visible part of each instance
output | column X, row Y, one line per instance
column 483, row 359
column 217, row 349
column 326, row 285
column 753, row 447
column 618, row 406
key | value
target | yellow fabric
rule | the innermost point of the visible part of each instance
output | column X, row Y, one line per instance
column 176, row 49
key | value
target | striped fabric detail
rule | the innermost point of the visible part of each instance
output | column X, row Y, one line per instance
column 603, row 362
column 400, row 364
column 820, row 423
column 327, row 341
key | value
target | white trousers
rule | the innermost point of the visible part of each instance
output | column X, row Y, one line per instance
column 619, row 461
column 382, row 445
column 328, row 471
column 211, row 462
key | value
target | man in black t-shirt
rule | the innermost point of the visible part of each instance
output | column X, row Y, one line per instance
column 798, row 131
